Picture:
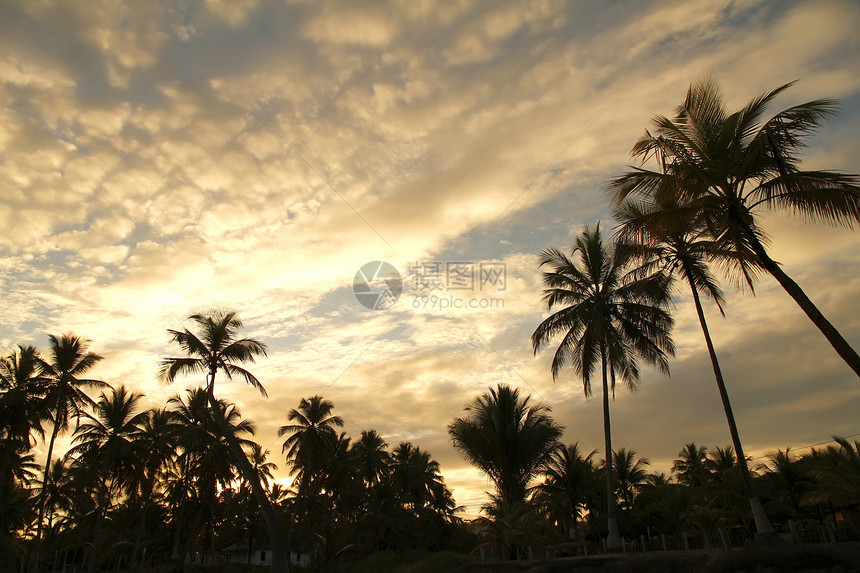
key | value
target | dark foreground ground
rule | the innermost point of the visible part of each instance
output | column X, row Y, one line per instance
column 777, row 558
column 839, row 557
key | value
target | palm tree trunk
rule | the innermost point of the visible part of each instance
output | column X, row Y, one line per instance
column 836, row 340
column 613, row 539
column 763, row 525
column 279, row 551
column 141, row 526
column 34, row 559
column 96, row 533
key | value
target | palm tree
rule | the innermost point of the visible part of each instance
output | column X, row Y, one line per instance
column 691, row 466
column 206, row 460
column 787, row 480
column 21, row 414
column 837, row 473
column 311, row 438
column 416, row 476
column 110, row 451
column 508, row 437
column 728, row 167
column 340, row 480
column 22, row 387
column 371, row 457
column 630, row 475
column 609, row 317
column 158, row 438
column 64, row 398
column 570, row 480
column 215, row 348
column 664, row 235
column 262, row 468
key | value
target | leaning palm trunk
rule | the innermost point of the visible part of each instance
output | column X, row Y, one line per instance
column 34, row 558
column 279, row 551
column 762, row 523
column 834, row 337
column 613, row 539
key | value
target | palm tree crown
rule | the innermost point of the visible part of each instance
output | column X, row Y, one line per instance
column 607, row 314
column 728, row 167
column 215, row 348
column 311, row 438
column 508, row 437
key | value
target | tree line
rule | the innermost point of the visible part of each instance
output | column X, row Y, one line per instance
column 146, row 486
column 549, row 494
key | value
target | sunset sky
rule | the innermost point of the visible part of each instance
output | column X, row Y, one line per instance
column 161, row 158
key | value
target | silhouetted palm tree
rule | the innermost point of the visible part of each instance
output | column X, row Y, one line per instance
column 570, row 482
column 109, row 450
column 691, row 466
column 371, row 458
column 728, row 167
column 159, row 443
column 64, row 399
column 630, row 475
column 508, row 437
column 21, row 391
column 609, row 318
column 311, row 439
column 787, row 480
column 207, row 461
column 21, row 415
column 416, row 477
column 836, row 470
column 262, row 467
column 217, row 348
column 665, row 236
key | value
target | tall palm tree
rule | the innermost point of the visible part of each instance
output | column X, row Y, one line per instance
column 610, row 318
column 218, row 348
column 728, row 167
column 64, row 399
column 311, row 439
column 508, row 437
column 664, row 234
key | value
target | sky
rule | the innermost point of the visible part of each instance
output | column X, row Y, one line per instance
column 159, row 159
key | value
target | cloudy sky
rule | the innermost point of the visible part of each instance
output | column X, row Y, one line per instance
column 162, row 158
